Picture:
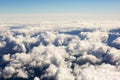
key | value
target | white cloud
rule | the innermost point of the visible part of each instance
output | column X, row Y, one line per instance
column 2, row 44
column 8, row 72
column 102, row 72
column 22, row 74
column 6, row 57
column 36, row 78
column 50, row 51
column 64, row 74
column 116, row 42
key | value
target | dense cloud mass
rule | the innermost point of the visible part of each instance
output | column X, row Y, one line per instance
column 30, row 53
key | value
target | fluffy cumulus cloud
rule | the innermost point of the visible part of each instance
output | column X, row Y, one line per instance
column 116, row 43
column 8, row 72
column 31, row 53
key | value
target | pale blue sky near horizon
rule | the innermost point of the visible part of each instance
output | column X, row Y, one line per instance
column 59, row 6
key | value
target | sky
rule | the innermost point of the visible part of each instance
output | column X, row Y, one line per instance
column 59, row 6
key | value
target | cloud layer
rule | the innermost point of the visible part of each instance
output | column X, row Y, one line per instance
column 30, row 53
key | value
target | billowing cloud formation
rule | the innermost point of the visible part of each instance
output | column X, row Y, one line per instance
column 83, row 54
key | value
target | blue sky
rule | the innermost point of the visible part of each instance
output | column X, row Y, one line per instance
column 59, row 6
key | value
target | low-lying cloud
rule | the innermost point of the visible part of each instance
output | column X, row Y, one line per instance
column 57, row 55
